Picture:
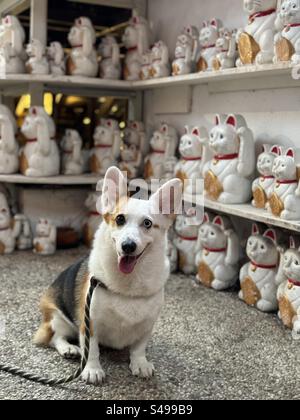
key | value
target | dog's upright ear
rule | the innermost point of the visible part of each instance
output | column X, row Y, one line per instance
column 114, row 188
column 167, row 201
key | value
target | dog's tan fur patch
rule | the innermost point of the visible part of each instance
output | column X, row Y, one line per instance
column 48, row 308
column 110, row 218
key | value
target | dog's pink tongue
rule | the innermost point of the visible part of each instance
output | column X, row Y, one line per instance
column 127, row 264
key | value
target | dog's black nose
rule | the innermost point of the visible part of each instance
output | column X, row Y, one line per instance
column 129, row 247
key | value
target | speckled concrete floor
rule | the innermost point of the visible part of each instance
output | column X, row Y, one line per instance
column 205, row 346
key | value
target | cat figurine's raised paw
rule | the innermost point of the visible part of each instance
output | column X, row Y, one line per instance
column 110, row 64
column 186, row 50
column 72, row 157
column 218, row 253
column 258, row 277
column 226, row 50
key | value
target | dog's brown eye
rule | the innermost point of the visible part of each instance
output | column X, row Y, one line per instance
column 120, row 220
column 147, row 224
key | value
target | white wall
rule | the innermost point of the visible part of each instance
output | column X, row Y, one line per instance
column 274, row 115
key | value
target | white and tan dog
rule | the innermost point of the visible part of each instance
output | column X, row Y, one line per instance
column 128, row 259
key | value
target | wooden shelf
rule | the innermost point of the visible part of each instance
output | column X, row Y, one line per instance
column 244, row 78
column 63, row 180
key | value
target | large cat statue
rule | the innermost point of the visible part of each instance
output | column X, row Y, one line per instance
column 218, row 253
column 194, row 154
column 185, row 240
column 9, row 227
column 263, row 186
column 288, row 294
column 9, row 148
column 258, row 277
column 163, row 146
column 287, row 41
column 284, row 202
column 256, row 40
column 229, row 175
column 209, row 35
column 137, row 40
column 186, row 51
column 106, row 151
column 40, row 156
column 12, row 51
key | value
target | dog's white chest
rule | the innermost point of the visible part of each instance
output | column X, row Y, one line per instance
column 120, row 321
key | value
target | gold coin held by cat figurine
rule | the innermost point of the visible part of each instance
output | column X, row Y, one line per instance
column 212, row 186
column 287, row 312
column 248, row 48
column 284, row 50
column 251, row 294
column 216, row 64
column 202, row 64
column 276, row 205
column 260, row 198
column 205, row 275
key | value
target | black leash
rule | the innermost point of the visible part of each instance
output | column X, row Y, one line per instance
column 56, row 382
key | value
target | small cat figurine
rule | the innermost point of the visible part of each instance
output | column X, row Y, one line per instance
column 285, row 199
column 226, row 50
column 288, row 294
column 56, row 58
column 218, row 253
column 287, row 40
column 187, row 228
column 256, row 40
column 258, row 277
column 94, row 218
column 110, row 64
column 37, row 63
column 131, row 159
column 160, row 66
column 106, row 151
column 12, row 51
column 9, row 227
column 263, row 186
column 135, row 134
column 163, row 146
column 24, row 240
column 228, row 177
column 72, row 157
column 187, row 46
column 193, row 156
column 44, row 242
column 209, row 35
column 9, row 148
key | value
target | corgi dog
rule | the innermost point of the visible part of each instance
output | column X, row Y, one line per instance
column 127, row 257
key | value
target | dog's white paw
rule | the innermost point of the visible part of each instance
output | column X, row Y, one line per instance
column 93, row 375
column 69, row 352
column 142, row 368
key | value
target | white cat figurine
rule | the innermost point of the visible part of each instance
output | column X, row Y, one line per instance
column 160, row 66
column 110, row 64
column 209, row 35
column 131, row 159
column 12, row 51
column 137, row 42
column 94, row 218
column 107, row 140
column 256, row 40
column 72, row 157
column 226, row 50
column 163, row 146
column 40, row 156
column 258, row 277
column 24, row 240
column 288, row 294
column 38, row 62
column 287, row 41
column 187, row 228
column 83, row 60
column 9, row 148
column 263, row 186
column 193, row 156
column 218, row 253
column 228, row 177
column 8, row 234
column 285, row 199
column 56, row 58
column 169, row 168
column 44, row 242
column 186, row 51
column 146, row 65
column 135, row 134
